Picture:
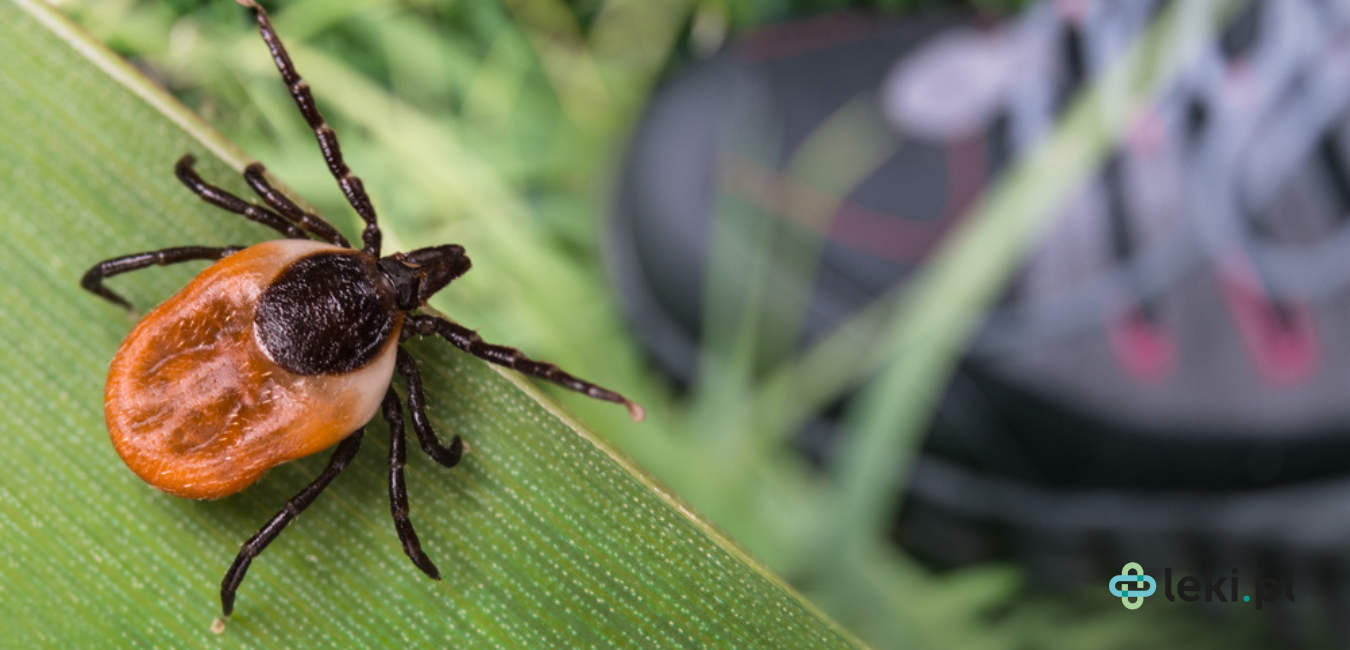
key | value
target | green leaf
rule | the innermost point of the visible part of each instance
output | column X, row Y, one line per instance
column 546, row 536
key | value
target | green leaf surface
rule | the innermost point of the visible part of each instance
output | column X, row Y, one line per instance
column 546, row 537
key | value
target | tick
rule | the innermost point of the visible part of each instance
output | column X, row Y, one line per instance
column 283, row 349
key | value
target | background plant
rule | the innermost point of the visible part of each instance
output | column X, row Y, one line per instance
column 495, row 124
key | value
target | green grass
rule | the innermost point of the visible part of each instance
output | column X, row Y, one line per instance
column 493, row 124
column 545, row 535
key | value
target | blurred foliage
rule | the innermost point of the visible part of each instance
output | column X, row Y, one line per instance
column 495, row 124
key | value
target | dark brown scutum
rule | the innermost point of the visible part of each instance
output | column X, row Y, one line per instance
column 328, row 313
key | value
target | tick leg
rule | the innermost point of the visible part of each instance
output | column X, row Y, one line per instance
column 398, row 490
column 417, row 408
column 346, row 450
column 351, row 185
column 94, row 277
column 469, row 341
column 226, row 201
column 255, row 175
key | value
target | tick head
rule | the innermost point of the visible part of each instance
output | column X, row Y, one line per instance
column 419, row 274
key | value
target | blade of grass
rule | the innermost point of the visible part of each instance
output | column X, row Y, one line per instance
column 547, row 537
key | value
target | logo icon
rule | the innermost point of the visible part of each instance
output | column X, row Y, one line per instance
column 1136, row 582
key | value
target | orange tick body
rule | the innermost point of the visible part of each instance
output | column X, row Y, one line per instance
column 286, row 348
column 198, row 406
